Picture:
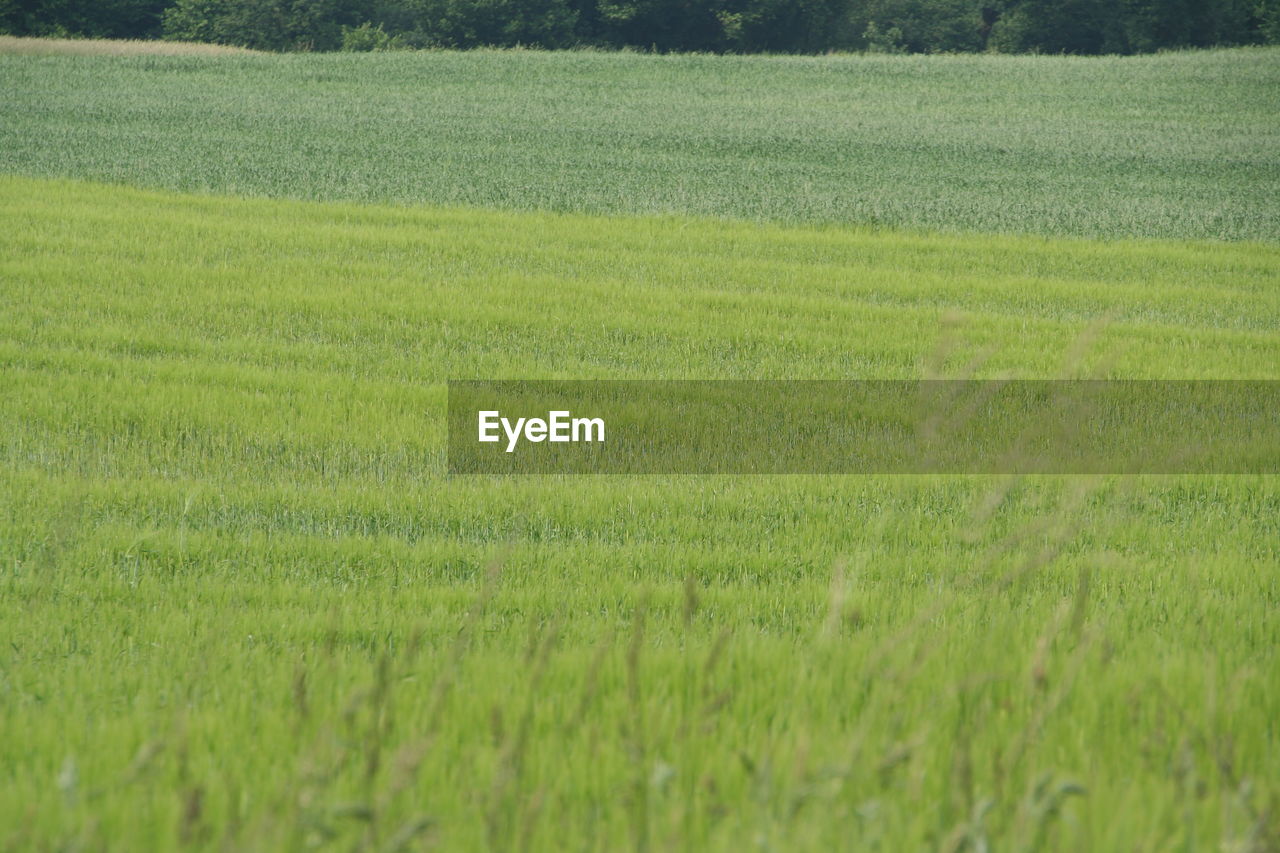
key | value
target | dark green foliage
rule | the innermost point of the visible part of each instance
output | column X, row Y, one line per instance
column 88, row 18
column 367, row 37
column 474, row 23
column 1127, row 26
column 921, row 26
column 1267, row 15
column 719, row 26
column 264, row 24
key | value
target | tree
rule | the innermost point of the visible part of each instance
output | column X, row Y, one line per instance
column 920, row 26
column 264, row 24
column 90, row 18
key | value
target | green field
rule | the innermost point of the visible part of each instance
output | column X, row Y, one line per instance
column 243, row 607
column 1172, row 145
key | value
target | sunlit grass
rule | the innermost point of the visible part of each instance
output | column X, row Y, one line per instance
column 20, row 46
column 241, row 606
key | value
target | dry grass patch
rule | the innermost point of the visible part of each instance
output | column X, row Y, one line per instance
column 15, row 45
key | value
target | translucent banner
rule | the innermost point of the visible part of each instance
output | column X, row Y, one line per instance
column 863, row 427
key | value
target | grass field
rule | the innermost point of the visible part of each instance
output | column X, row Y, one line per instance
column 243, row 607
column 1172, row 145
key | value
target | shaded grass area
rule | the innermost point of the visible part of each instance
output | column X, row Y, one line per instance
column 1180, row 145
column 241, row 605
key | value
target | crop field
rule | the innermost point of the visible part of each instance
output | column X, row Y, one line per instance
column 1172, row 145
column 244, row 607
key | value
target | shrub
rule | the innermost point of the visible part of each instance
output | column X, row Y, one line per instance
column 367, row 37
column 263, row 24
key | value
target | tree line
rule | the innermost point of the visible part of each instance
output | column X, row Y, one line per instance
column 737, row 26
